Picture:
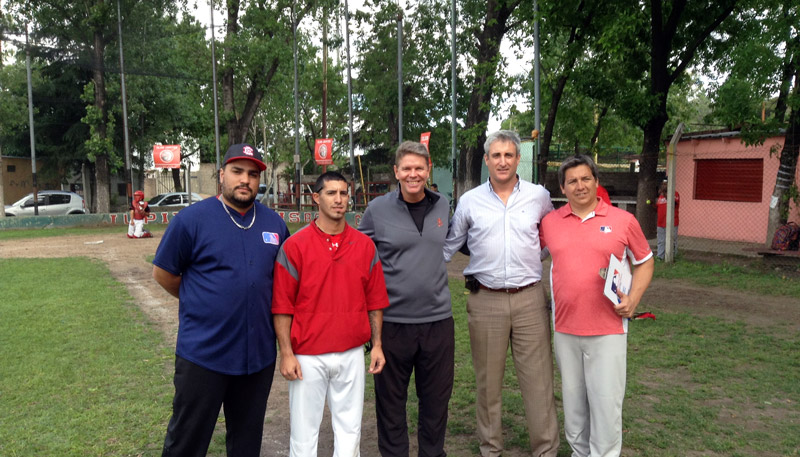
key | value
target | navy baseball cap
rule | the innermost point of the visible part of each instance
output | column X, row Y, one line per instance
column 244, row 151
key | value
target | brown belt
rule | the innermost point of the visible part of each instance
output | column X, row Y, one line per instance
column 510, row 291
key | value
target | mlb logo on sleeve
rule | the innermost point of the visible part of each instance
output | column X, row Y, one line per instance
column 605, row 228
column 271, row 238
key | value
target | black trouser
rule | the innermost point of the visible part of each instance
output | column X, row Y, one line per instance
column 199, row 393
column 428, row 350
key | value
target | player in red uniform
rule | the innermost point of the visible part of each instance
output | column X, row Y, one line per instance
column 328, row 300
column 137, row 215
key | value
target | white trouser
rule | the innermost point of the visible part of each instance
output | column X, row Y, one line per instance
column 340, row 377
column 593, row 387
column 136, row 229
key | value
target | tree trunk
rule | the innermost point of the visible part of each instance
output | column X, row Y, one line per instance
column 238, row 123
column 788, row 70
column 480, row 100
column 102, row 175
column 647, row 187
column 779, row 205
column 547, row 136
column 576, row 34
column 597, row 129
column 176, row 179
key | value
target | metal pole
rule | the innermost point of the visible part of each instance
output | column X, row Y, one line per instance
column 536, row 94
column 350, row 97
column 453, row 147
column 296, row 117
column 214, row 78
column 30, row 123
column 669, row 254
column 325, row 78
column 128, row 170
column 399, row 76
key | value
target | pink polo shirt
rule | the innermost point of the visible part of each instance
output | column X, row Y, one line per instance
column 579, row 249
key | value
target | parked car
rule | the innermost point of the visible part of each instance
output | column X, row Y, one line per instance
column 262, row 191
column 51, row 203
column 173, row 199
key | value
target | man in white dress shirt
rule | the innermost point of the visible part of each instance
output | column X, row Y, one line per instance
column 499, row 221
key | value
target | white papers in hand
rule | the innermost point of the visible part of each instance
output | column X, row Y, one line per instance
column 618, row 277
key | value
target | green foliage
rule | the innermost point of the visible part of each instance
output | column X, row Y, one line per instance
column 790, row 195
column 97, row 144
column 755, row 133
column 735, row 104
column 426, row 78
column 166, row 61
column 760, row 62
column 13, row 107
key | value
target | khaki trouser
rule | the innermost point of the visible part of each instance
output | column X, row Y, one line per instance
column 521, row 319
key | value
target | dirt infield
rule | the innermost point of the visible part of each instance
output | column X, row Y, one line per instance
column 127, row 261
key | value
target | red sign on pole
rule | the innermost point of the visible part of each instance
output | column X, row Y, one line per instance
column 167, row 156
column 323, row 151
column 425, row 138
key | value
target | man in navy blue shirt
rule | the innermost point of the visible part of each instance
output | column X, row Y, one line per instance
column 217, row 258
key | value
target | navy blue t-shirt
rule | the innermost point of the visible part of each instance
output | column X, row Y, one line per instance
column 225, row 306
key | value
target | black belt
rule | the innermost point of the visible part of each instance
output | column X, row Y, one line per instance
column 512, row 290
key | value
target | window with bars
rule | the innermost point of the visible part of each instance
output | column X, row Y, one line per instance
column 733, row 180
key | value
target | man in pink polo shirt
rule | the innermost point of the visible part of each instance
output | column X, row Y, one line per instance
column 591, row 332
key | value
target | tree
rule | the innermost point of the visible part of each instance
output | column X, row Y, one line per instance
column 168, row 87
column 677, row 31
column 82, row 32
column 788, row 161
column 14, row 108
column 789, row 69
column 488, row 23
column 426, row 79
column 256, row 46
column 570, row 25
column 766, row 61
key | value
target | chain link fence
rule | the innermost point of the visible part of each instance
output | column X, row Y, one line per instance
column 725, row 189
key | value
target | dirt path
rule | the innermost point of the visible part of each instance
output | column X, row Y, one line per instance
column 127, row 261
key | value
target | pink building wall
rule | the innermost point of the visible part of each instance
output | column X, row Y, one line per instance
column 725, row 220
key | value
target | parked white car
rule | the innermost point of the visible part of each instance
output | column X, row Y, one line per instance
column 173, row 199
column 51, row 203
column 262, row 192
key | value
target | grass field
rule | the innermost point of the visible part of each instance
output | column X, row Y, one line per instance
column 696, row 386
column 84, row 373
column 754, row 278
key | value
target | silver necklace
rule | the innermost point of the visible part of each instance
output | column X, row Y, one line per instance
column 234, row 220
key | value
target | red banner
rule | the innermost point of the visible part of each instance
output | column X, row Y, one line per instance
column 323, row 151
column 425, row 138
column 167, row 156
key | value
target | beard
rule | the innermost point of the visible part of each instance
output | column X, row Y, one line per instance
column 240, row 203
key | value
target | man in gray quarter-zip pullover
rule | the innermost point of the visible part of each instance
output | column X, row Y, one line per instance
column 409, row 227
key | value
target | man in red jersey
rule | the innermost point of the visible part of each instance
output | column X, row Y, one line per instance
column 328, row 301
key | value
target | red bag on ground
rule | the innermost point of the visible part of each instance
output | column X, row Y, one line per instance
column 786, row 237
